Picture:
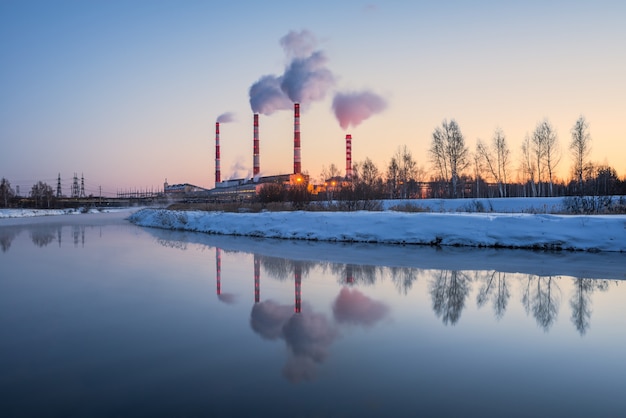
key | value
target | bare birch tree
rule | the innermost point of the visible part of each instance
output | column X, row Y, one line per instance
column 448, row 153
column 546, row 153
column 496, row 159
column 528, row 167
column 580, row 147
column 402, row 169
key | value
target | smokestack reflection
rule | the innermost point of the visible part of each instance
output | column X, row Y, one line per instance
column 257, row 278
column 297, row 273
column 218, row 270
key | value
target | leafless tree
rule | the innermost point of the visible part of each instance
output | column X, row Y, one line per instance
column 367, row 180
column 6, row 192
column 330, row 172
column 449, row 154
column 546, row 153
column 528, row 168
column 580, row 147
column 42, row 193
column 496, row 159
column 401, row 171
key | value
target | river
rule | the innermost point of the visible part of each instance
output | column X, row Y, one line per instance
column 99, row 317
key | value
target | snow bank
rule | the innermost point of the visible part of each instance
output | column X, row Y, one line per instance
column 555, row 232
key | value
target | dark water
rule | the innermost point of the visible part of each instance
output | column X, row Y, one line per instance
column 108, row 319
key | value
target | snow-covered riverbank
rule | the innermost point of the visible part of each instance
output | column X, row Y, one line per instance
column 538, row 231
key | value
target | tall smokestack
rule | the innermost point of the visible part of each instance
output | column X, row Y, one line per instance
column 218, row 176
column 297, row 162
column 348, row 156
column 255, row 147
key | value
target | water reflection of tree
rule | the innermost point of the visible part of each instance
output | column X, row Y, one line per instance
column 403, row 278
column 542, row 297
column 42, row 236
column 449, row 291
column 170, row 243
column 353, row 273
column 581, row 301
column 284, row 268
column 494, row 286
column 7, row 235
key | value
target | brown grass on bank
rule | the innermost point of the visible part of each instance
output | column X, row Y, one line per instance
column 251, row 207
column 255, row 207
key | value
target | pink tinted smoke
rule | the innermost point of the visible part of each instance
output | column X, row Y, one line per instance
column 353, row 108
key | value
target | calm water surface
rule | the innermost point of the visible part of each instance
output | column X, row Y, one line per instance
column 102, row 318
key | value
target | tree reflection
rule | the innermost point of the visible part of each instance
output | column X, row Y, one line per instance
column 494, row 286
column 403, row 278
column 449, row 291
column 542, row 297
column 7, row 235
column 284, row 268
column 42, row 236
column 581, row 302
column 355, row 273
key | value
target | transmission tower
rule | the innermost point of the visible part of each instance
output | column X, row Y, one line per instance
column 59, row 186
column 75, row 189
column 82, row 185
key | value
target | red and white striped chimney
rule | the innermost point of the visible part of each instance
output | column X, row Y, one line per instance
column 218, row 176
column 348, row 156
column 297, row 162
column 255, row 147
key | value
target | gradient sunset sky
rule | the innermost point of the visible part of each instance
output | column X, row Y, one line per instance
column 128, row 92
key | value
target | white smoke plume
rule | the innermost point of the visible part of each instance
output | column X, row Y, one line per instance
column 298, row 44
column 266, row 96
column 226, row 117
column 353, row 108
column 307, row 79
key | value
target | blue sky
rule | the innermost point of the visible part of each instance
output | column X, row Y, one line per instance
column 127, row 92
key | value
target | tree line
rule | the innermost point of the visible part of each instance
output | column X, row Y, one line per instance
column 41, row 195
column 455, row 172
column 486, row 172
